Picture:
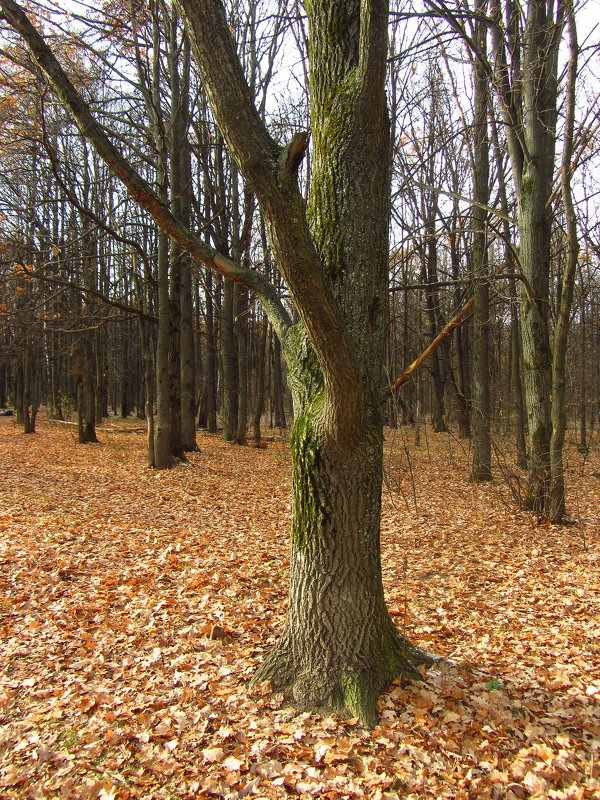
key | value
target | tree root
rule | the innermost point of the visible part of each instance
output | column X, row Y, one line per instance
column 351, row 689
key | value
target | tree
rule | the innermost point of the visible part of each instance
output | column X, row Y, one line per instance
column 480, row 375
column 339, row 647
column 556, row 504
column 527, row 88
column 524, row 74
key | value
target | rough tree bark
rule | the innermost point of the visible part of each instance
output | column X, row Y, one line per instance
column 339, row 646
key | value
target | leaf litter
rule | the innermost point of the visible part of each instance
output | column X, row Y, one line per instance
column 135, row 606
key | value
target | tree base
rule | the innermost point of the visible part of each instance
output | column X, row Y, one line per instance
column 351, row 689
column 191, row 448
column 481, row 474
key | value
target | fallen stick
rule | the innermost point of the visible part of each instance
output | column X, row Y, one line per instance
column 454, row 323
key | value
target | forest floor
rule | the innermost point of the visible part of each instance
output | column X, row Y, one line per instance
column 112, row 578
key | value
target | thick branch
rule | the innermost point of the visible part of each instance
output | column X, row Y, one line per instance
column 296, row 152
column 373, row 41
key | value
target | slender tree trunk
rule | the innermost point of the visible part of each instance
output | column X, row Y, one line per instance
column 28, row 399
column 561, row 337
column 211, row 360
column 148, row 390
column 162, row 443
column 188, row 371
column 241, row 317
column 182, row 343
column 461, row 340
column 175, row 351
column 277, row 386
column 55, row 409
column 537, row 355
column 86, row 395
column 516, row 350
column 438, row 412
column 259, row 395
column 583, row 343
column 229, row 356
column 164, row 411
column 124, row 382
column 241, row 334
column 80, row 412
column 90, row 393
column 100, row 376
column 516, row 379
column 481, row 467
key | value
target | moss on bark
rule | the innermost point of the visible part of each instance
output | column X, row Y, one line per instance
column 350, row 689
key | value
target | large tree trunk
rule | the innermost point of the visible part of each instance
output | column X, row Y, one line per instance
column 339, row 647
